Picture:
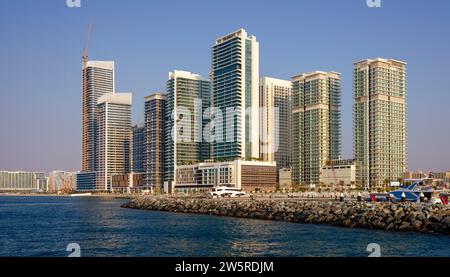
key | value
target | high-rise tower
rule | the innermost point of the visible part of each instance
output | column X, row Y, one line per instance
column 235, row 83
column 379, row 121
column 188, row 96
column 275, row 122
column 316, row 124
column 154, row 144
column 98, row 79
column 114, row 138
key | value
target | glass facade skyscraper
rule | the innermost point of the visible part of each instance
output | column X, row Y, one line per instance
column 138, row 148
column 316, row 124
column 188, row 96
column 379, row 121
column 235, row 85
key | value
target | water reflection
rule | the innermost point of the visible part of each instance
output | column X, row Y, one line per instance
column 102, row 228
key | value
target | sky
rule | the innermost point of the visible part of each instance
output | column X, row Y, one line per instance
column 41, row 45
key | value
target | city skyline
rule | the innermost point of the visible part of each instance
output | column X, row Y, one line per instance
column 423, row 115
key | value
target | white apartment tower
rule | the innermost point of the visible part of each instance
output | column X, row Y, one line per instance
column 98, row 79
column 275, row 121
column 114, row 137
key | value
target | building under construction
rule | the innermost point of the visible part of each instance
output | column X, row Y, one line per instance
column 339, row 174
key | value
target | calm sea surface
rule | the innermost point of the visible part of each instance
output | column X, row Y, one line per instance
column 44, row 226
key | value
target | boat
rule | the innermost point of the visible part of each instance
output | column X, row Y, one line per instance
column 228, row 192
column 411, row 193
column 80, row 194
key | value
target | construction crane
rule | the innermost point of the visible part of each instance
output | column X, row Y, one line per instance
column 85, row 57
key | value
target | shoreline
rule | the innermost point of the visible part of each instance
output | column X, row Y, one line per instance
column 394, row 217
column 114, row 196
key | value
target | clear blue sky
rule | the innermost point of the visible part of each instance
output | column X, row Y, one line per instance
column 42, row 42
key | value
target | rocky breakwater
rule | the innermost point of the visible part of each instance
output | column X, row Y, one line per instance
column 400, row 217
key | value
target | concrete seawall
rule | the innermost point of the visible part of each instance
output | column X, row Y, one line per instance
column 401, row 217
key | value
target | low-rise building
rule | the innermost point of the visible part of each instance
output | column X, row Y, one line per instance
column 61, row 181
column 246, row 175
column 86, row 181
column 23, row 181
column 439, row 175
column 284, row 179
column 447, row 177
column 419, row 174
column 129, row 182
column 339, row 173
